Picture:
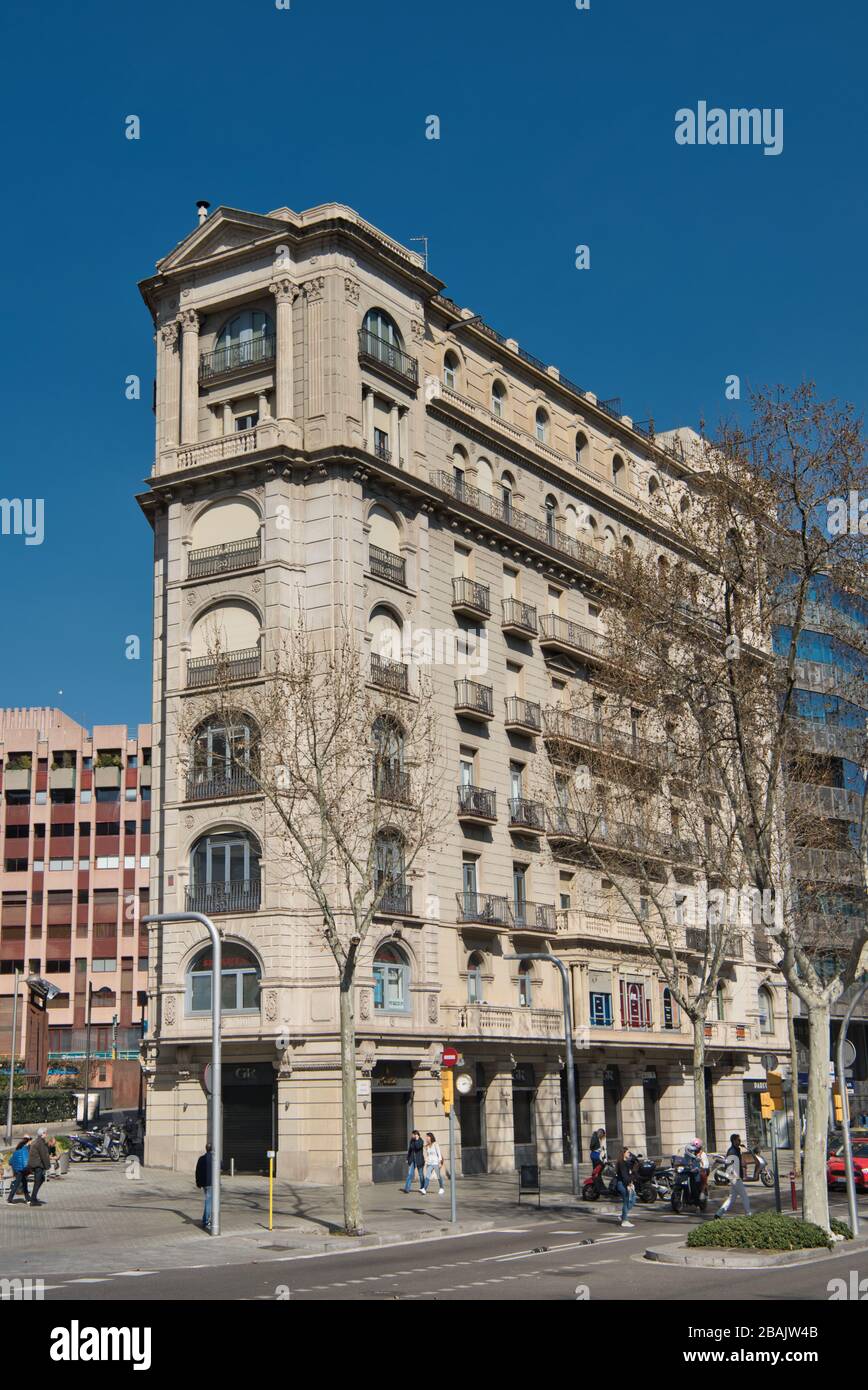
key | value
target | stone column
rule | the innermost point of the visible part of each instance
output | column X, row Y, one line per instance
column 168, row 386
column 285, row 294
column 395, row 433
column 313, row 290
column 368, row 417
column 189, row 321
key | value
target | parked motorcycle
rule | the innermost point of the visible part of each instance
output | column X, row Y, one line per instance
column 93, row 1143
column 601, row 1183
column 652, row 1180
column 761, row 1170
column 687, row 1188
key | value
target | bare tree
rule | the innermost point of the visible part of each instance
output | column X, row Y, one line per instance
column 748, row 551
column 351, row 774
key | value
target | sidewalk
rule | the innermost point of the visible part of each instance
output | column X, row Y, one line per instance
column 97, row 1217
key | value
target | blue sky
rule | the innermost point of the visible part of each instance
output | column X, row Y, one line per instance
column 557, row 128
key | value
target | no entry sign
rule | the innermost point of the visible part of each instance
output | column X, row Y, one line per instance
column 449, row 1057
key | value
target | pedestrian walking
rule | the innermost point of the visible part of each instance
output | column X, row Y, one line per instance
column 598, row 1147
column 415, row 1160
column 625, row 1186
column 433, row 1163
column 38, row 1163
column 205, row 1181
column 735, row 1173
column 18, row 1163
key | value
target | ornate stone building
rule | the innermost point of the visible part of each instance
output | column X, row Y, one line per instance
column 331, row 426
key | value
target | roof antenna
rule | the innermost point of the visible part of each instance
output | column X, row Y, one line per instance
column 202, row 208
column 424, row 241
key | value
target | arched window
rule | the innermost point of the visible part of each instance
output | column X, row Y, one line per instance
column 541, row 426
column 394, row 893
column 766, row 1010
column 506, row 486
column 720, row 1003
column 609, row 541
column 653, row 485
column 390, row 778
column 224, row 640
column 391, row 980
column 450, row 371
column 224, row 873
column 669, row 1013
column 246, row 339
column 474, row 978
column 386, row 634
column 582, row 450
column 627, row 542
column 551, row 515
column 619, row 472
column 498, row 399
column 684, row 505
column 384, row 329
column 571, row 521
column 484, row 477
column 228, row 531
column 525, row 984
column 239, row 981
column 225, row 760
column 459, row 470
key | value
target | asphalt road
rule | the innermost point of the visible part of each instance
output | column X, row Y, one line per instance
column 550, row 1261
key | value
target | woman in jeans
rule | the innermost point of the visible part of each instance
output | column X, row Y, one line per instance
column 415, row 1160
column 624, row 1185
column 433, row 1160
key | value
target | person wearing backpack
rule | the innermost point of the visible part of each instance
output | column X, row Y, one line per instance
column 18, row 1163
column 38, row 1163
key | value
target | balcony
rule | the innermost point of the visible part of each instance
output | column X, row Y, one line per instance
column 528, row 816
column 483, row 910
column 234, row 666
column 62, row 779
column 389, row 675
column 521, row 716
column 696, row 941
column 826, row 865
column 210, row 786
column 107, row 775
column 226, row 446
column 469, row 598
column 589, row 559
column 223, row 559
column 397, row 899
column 518, row 619
column 379, row 352
column 474, row 701
column 538, row 919
column 824, row 738
column 832, row 803
column 384, row 565
column 501, row 1021
column 560, row 635
column 391, row 784
column 17, row 779
column 242, row 895
column 594, row 735
column 619, row 836
column 381, row 449
column 476, row 805
column 603, row 921
column 237, row 357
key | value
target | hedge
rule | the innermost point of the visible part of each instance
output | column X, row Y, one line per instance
column 765, row 1231
column 40, row 1107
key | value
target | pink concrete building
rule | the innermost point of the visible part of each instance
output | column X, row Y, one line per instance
column 75, row 839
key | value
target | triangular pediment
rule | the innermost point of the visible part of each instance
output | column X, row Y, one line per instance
column 225, row 230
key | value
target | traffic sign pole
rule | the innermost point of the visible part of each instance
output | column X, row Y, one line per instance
column 448, row 1060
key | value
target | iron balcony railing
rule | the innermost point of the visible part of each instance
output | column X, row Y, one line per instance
column 516, row 614
column 391, row 783
column 554, row 628
column 253, row 352
column 385, row 565
column 234, row 666
column 212, row 786
column 595, row 828
column 526, row 815
column 373, row 348
column 220, row 559
column 540, row 529
column 523, row 714
column 696, row 939
column 593, row 733
column 836, row 803
column 477, row 801
column 382, row 450
column 466, row 593
column 242, row 895
column 397, row 898
column 470, row 695
column 483, row 908
column 527, row 916
column 388, row 675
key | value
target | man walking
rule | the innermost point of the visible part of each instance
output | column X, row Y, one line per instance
column 38, row 1164
column 735, row 1173
column 205, row 1181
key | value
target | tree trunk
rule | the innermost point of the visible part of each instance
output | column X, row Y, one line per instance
column 794, row 1069
column 699, row 1079
column 814, row 1189
column 349, row 1111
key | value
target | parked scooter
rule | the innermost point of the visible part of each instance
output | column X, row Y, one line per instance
column 761, row 1169
column 687, row 1186
column 601, row 1183
column 94, row 1144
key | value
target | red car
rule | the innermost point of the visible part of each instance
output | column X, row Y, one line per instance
column 836, row 1174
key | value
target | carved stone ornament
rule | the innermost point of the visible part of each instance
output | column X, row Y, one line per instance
column 313, row 288
column 432, row 1008
column 417, row 329
column 364, row 1004
column 189, row 821
column 189, row 320
column 283, row 290
column 170, row 1008
column 270, row 1005
column 169, row 334
column 351, row 289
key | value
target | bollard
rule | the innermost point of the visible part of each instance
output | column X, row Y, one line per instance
column 793, row 1197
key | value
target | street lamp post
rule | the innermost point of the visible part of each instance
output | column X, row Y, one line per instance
column 156, row 919
column 84, row 1118
column 845, row 1105
column 571, row 1074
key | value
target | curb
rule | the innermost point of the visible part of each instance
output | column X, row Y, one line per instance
column 746, row 1259
column 371, row 1240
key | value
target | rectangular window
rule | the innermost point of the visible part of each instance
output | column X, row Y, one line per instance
column 108, row 861
column 247, row 422
column 510, row 582
column 600, row 1010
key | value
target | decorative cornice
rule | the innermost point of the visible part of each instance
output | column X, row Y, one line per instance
column 169, row 333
